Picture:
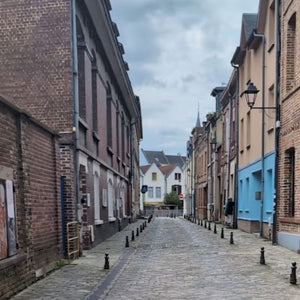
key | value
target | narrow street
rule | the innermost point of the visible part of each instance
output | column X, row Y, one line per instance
column 177, row 259
column 174, row 259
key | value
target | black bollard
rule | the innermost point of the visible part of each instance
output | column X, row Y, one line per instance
column 137, row 232
column 127, row 242
column 222, row 233
column 141, row 228
column 215, row 228
column 132, row 235
column 231, row 238
column 293, row 277
column 145, row 224
column 198, row 222
column 209, row 228
column 201, row 223
column 262, row 256
column 106, row 264
column 205, row 224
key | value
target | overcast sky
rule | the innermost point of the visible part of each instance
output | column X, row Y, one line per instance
column 177, row 51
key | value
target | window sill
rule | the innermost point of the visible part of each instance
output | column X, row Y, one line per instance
column 96, row 136
column 111, row 219
column 13, row 260
column 99, row 222
column 109, row 150
column 248, row 146
column 291, row 220
column 83, row 123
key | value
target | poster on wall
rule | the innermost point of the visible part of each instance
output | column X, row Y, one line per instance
column 12, row 249
column 3, row 221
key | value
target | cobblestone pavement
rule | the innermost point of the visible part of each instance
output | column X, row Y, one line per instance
column 175, row 259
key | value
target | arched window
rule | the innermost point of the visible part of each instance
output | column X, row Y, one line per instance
column 111, row 200
column 109, row 115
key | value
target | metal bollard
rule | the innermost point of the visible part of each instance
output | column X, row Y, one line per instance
column 293, row 277
column 231, row 238
column 141, row 228
column 198, row 222
column 106, row 264
column 132, row 235
column 127, row 242
column 222, row 233
column 201, row 223
column 262, row 256
column 209, row 228
column 205, row 224
column 215, row 228
column 137, row 232
column 145, row 224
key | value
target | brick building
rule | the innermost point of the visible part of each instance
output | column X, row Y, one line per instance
column 288, row 206
column 30, row 245
column 64, row 65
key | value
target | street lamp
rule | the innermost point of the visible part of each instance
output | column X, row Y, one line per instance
column 250, row 94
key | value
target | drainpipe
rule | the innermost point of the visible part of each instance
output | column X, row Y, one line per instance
column 132, row 167
column 277, row 125
column 75, row 105
column 262, row 36
column 235, row 216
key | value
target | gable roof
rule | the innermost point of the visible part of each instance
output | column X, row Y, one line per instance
column 166, row 170
column 160, row 159
column 144, row 169
column 157, row 157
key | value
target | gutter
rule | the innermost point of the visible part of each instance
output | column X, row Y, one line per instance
column 236, row 202
column 262, row 37
column 75, row 105
column 277, row 124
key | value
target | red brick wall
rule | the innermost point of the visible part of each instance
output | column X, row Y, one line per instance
column 32, row 153
column 35, row 59
column 290, row 121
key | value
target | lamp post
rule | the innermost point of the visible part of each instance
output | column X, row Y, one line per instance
column 250, row 95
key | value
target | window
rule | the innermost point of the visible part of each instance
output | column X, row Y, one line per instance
column 118, row 129
column 271, row 25
column 154, row 176
column 108, row 117
column 248, row 136
column 7, row 220
column 178, row 176
column 242, row 135
column 150, row 192
column 270, row 113
column 96, row 196
column 291, row 55
column 94, row 93
column 290, row 181
column 111, row 202
column 158, row 192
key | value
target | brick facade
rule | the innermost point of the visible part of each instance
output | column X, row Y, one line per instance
column 90, row 104
column 288, row 206
column 30, row 153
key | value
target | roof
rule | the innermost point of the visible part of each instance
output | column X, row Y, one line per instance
column 144, row 169
column 166, row 170
column 249, row 23
column 161, row 159
column 157, row 157
column 176, row 159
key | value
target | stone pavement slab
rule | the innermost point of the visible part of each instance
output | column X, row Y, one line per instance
column 174, row 259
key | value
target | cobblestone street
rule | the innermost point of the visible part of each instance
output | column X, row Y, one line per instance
column 177, row 259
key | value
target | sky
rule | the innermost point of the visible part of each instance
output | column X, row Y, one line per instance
column 177, row 51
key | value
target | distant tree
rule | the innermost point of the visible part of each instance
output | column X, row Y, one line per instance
column 172, row 199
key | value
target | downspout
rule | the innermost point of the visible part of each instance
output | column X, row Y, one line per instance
column 262, row 36
column 132, row 168
column 76, row 106
column 277, row 125
column 236, row 202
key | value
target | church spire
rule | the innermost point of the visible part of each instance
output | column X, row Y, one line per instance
column 198, row 119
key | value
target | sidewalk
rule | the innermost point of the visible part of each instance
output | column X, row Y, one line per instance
column 86, row 278
column 77, row 280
